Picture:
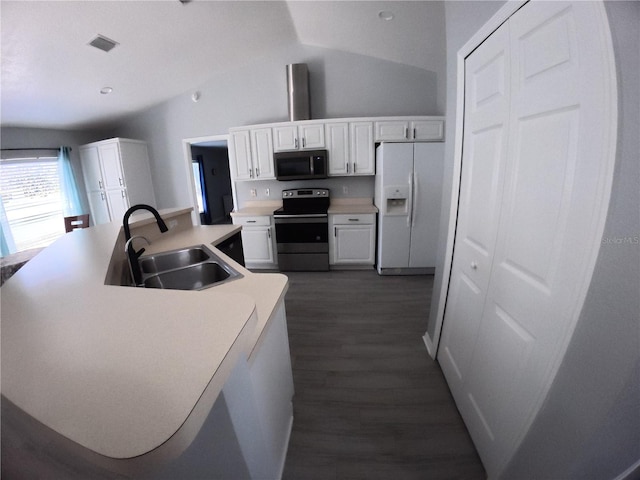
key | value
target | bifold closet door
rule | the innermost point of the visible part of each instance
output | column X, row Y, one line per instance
column 530, row 209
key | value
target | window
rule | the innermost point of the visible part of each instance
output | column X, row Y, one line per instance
column 198, row 181
column 32, row 201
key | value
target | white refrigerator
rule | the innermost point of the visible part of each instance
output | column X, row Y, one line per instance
column 408, row 191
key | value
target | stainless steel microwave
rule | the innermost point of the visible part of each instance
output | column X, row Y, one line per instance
column 302, row 165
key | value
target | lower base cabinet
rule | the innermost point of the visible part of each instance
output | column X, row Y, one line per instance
column 258, row 241
column 352, row 240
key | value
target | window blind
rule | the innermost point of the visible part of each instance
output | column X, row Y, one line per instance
column 30, row 190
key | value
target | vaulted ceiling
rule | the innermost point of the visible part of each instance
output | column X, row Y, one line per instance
column 52, row 78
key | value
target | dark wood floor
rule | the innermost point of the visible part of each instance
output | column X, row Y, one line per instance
column 369, row 403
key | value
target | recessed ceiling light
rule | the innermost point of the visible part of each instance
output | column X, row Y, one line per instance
column 385, row 15
column 106, row 90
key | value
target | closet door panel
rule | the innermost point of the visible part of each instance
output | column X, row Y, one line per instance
column 484, row 146
column 547, row 226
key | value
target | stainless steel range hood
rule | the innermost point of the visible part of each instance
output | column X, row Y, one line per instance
column 298, row 92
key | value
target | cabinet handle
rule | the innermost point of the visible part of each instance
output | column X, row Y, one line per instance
column 335, row 231
column 414, row 133
column 474, row 266
column 251, row 221
column 257, row 172
column 354, row 167
column 100, row 184
column 120, row 181
column 347, row 167
column 304, row 142
column 269, row 232
column 123, row 194
column 251, row 173
column 354, row 219
column 295, row 143
column 102, row 196
column 406, row 132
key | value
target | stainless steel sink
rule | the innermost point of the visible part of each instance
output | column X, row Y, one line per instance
column 162, row 262
column 192, row 268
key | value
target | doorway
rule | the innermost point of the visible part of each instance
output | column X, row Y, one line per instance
column 210, row 179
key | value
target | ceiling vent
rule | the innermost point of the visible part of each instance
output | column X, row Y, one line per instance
column 103, row 43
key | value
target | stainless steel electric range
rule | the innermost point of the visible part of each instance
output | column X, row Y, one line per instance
column 302, row 230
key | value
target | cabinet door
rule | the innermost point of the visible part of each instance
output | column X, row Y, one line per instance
column 262, row 149
column 337, row 139
column 362, row 148
column 240, row 155
column 258, row 245
column 312, row 136
column 99, row 207
column 427, row 130
column 285, row 138
column 392, row 130
column 91, row 169
column 118, row 203
column 111, row 166
column 354, row 244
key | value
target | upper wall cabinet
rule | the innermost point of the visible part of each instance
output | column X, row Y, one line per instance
column 116, row 175
column 308, row 136
column 351, row 148
column 399, row 130
column 350, row 142
column 251, row 154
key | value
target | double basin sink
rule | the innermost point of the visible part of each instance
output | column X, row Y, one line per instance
column 191, row 268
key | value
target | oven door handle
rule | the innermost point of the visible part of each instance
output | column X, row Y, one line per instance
column 302, row 217
column 297, row 219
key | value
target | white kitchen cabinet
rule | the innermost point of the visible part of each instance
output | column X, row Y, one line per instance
column 352, row 240
column 362, row 149
column 338, row 148
column 251, row 154
column 419, row 130
column 299, row 137
column 258, row 241
column 116, row 175
column 262, row 153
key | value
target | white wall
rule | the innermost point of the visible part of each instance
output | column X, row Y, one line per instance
column 589, row 425
column 342, row 85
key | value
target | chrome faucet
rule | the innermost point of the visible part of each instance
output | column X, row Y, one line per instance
column 132, row 255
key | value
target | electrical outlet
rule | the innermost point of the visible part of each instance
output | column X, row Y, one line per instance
column 267, row 192
column 345, row 189
column 254, row 192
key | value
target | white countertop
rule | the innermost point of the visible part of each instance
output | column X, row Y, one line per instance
column 119, row 370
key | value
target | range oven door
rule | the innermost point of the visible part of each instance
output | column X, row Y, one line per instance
column 303, row 242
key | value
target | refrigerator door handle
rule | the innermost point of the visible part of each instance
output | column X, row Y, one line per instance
column 410, row 200
column 414, row 199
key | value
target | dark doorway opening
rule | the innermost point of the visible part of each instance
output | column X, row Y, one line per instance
column 213, row 182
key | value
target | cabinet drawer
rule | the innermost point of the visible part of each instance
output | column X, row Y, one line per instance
column 252, row 221
column 354, row 219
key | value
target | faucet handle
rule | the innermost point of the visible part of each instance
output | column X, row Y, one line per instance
column 130, row 243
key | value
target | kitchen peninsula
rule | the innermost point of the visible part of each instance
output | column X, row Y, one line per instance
column 137, row 382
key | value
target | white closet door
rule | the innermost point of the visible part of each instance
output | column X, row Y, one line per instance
column 487, row 76
column 550, row 212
